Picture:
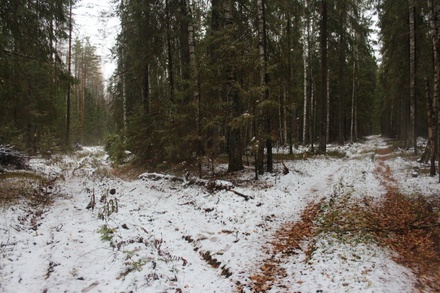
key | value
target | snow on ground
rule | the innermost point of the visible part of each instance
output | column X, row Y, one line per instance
column 164, row 235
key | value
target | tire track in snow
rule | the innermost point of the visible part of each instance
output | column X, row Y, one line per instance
column 292, row 237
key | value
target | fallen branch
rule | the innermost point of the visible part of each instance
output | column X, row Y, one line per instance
column 246, row 197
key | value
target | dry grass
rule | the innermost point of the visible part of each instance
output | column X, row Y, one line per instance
column 23, row 186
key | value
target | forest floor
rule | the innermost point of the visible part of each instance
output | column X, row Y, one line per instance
column 365, row 219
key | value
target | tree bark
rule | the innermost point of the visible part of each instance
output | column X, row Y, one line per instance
column 341, row 98
column 412, row 74
column 195, row 77
column 430, row 114
column 234, row 135
column 264, row 78
column 146, row 89
column 69, row 83
column 323, row 98
column 434, row 8
column 170, row 53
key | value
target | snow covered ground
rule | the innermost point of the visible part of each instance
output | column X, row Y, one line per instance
column 156, row 234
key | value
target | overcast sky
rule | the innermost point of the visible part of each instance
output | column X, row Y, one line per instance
column 93, row 18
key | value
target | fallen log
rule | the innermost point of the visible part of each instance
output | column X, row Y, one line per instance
column 246, row 197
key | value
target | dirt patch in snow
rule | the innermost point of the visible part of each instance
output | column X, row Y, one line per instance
column 410, row 226
column 288, row 239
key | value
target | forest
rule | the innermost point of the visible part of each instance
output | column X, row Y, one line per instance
column 200, row 81
column 237, row 146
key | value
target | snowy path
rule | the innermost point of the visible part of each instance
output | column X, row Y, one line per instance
column 334, row 265
column 169, row 237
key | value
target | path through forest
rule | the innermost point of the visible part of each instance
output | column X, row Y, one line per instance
column 299, row 237
column 165, row 233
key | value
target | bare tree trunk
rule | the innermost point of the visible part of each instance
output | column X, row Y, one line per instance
column 312, row 127
column 69, row 84
column 170, row 54
column 305, row 113
column 234, row 135
column 146, row 89
column 412, row 74
column 265, row 123
column 328, row 108
column 281, row 99
column 285, row 119
column 83, row 95
column 434, row 7
column 352, row 122
column 124, row 96
column 353, row 98
column 430, row 115
column 123, row 82
column 323, row 98
column 341, row 98
column 195, row 77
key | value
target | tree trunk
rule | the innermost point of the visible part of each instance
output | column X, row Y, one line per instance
column 83, row 95
column 431, row 141
column 170, row 53
column 124, row 95
column 234, row 135
column 327, row 130
column 305, row 113
column 69, row 83
column 146, row 89
column 264, row 127
column 434, row 7
column 412, row 74
column 323, row 98
column 341, row 98
column 353, row 102
column 195, row 77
